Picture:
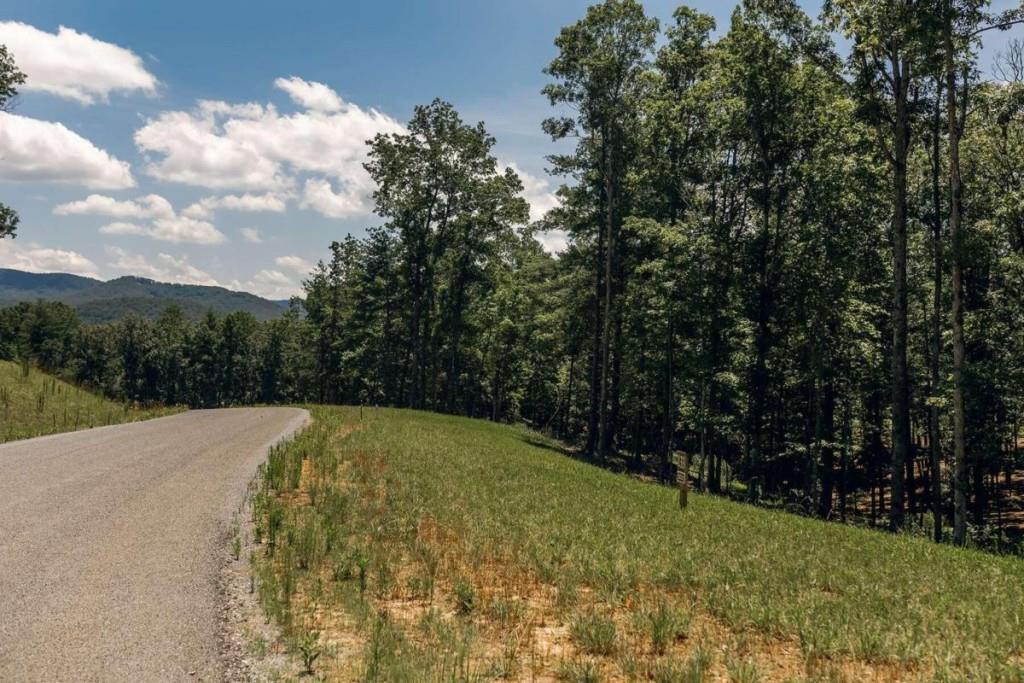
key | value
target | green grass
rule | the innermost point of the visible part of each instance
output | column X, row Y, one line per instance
column 33, row 403
column 719, row 587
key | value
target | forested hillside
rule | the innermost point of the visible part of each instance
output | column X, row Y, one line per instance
column 804, row 266
column 98, row 301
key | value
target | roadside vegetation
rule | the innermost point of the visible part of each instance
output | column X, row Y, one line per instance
column 407, row 546
column 33, row 403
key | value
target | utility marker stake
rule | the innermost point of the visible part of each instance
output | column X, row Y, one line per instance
column 682, row 463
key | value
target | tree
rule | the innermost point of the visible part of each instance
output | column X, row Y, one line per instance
column 452, row 212
column 893, row 41
column 599, row 71
column 10, row 79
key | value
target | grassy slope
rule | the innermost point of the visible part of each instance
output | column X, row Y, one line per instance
column 39, row 404
column 472, row 508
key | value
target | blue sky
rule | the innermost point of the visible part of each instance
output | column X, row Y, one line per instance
column 379, row 58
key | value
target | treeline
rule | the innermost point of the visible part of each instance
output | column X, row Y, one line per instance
column 804, row 268
column 216, row 361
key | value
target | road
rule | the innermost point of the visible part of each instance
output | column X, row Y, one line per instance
column 111, row 543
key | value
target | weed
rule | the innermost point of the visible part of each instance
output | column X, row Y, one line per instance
column 672, row 670
column 465, row 597
column 583, row 671
column 594, row 633
column 743, row 671
column 665, row 625
column 309, row 649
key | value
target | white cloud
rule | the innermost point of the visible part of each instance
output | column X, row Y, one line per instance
column 253, row 147
column 196, row 150
column 167, row 268
column 296, row 264
column 148, row 206
column 185, row 229
column 319, row 195
column 164, row 224
column 74, row 65
column 310, row 95
column 38, row 259
column 123, row 228
column 270, row 284
column 251, row 235
column 554, row 241
column 536, row 191
column 43, row 151
column 205, row 207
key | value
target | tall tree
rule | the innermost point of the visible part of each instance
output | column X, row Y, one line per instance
column 893, row 40
column 599, row 72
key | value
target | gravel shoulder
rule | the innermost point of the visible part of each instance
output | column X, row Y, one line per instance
column 111, row 545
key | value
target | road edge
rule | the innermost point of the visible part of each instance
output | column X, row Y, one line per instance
column 242, row 622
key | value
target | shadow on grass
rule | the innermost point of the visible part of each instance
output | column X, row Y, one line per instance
column 547, row 444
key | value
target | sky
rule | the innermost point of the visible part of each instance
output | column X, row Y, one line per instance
column 222, row 142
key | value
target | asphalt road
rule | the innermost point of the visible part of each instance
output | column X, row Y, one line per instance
column 111, row 543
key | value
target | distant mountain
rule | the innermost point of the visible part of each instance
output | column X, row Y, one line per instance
column 99, row 301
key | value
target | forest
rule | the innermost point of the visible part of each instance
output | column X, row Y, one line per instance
column 802, row 264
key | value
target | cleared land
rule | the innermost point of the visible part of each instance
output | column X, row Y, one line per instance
column 111, row 543
column 405, row 546
column 33, row 403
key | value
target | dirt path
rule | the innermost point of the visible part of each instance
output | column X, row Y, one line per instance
column 110, row 545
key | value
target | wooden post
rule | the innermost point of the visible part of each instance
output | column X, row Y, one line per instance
column 683, row 477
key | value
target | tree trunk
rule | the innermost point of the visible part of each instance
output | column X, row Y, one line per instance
column 900, row 373
column 603, row 440
column 825, row 437
column 956, row 236
column 934, row 437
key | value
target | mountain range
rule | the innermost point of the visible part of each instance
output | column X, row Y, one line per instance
column 104, row 301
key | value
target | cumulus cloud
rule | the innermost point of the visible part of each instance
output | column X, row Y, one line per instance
column 39, row 259
column 205, row 207
column 351, row 200
column 123, row 228
column 310, row 95
column 163, row 223
column 295, row 264
column 251, row 235
column 74, row 65
column 43, row 151
column 270, row 284
column 148, row 206
column 166, row 268
column 536, row 191
column 253, row 147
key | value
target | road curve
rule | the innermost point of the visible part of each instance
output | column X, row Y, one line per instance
column 111, row 541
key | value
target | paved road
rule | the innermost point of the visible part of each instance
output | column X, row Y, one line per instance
column 111, row 541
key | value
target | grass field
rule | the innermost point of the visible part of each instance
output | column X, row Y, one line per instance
column 33, row 403
column 407, row 546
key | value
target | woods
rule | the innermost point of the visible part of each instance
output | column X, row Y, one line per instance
column 803, row 267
